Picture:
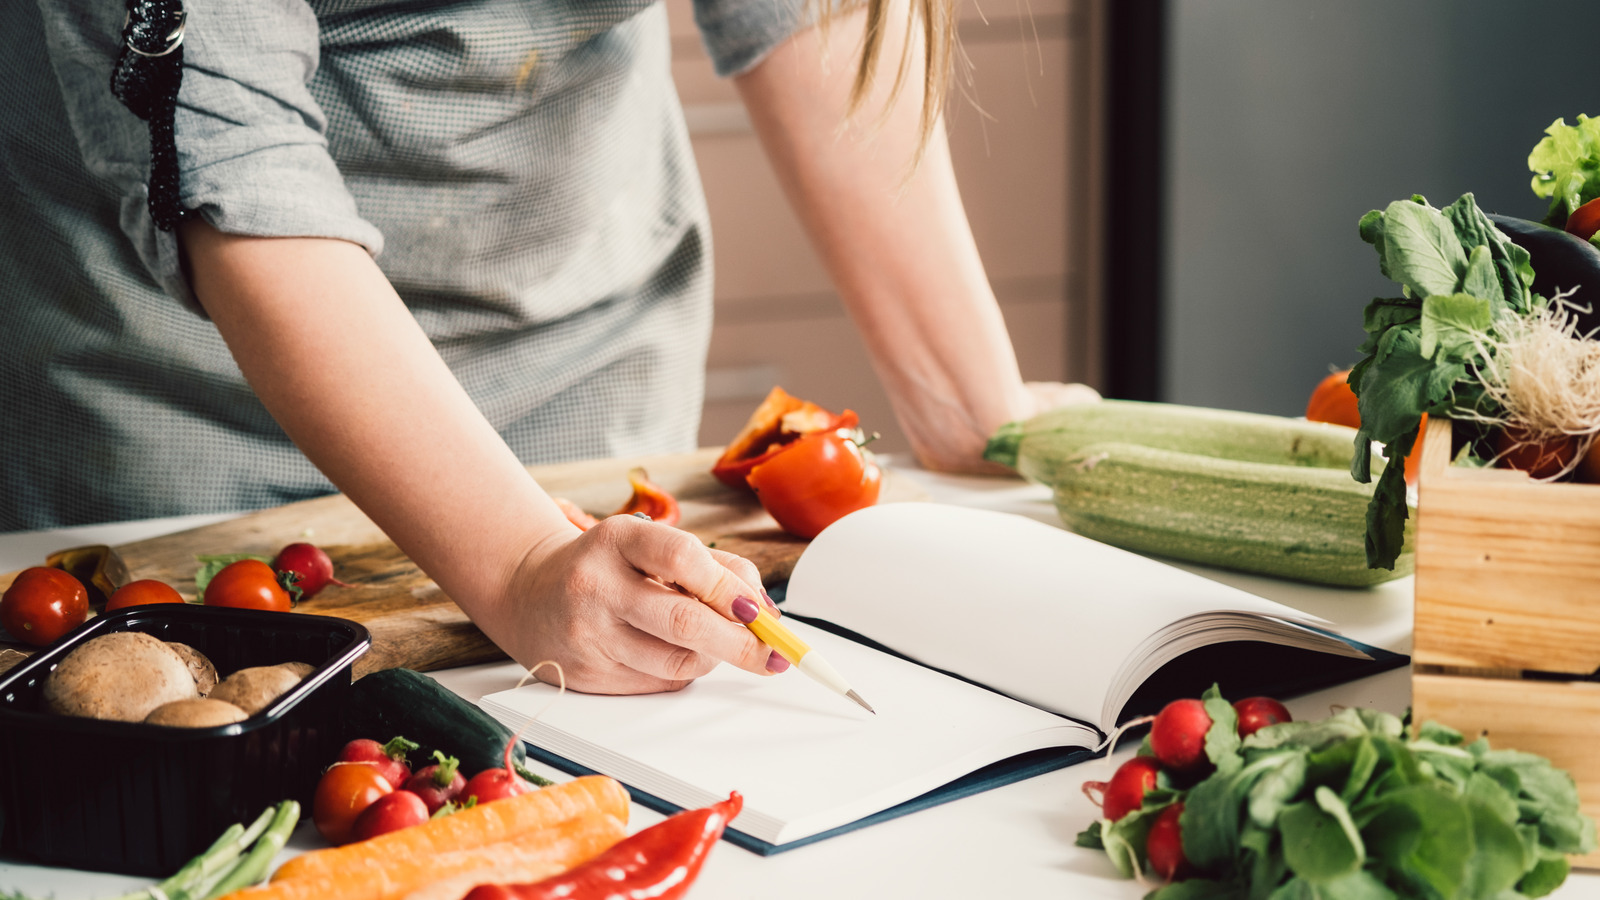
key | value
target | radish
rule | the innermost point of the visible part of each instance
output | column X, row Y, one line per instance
column 497, row 784
column 1178, row 735
column 1256, row 713
column 390, row 758
column 438, row 784
column 391, row 812
column 314, row 568
column 1125, row 792
column 1164, row 845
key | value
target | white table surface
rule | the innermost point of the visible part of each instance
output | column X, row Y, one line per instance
column 1014, row 841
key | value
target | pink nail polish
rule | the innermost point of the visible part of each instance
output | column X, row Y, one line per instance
column 776, row 663
column 744, row 609
column 768, row 597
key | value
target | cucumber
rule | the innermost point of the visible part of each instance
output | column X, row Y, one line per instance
column 1039, row 446
column 401, row 702
column 1290, row 521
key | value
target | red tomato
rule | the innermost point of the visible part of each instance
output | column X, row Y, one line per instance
column 391, row 812
column 1334, row 402
column 143, row 593
column 247, row 584
column 1256, row 713
column 43, row 604
column 1585, row 220
column 815, row 481
column 1540, row 459
column 343, row 793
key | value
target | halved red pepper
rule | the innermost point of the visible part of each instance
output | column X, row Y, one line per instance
column 649, row 498
column 780, row 420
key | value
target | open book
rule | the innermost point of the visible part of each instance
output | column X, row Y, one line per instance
column 992, row 646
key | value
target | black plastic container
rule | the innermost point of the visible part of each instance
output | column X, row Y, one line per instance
column 144, row 799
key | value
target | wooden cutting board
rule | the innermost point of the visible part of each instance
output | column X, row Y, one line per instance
column 413, row 623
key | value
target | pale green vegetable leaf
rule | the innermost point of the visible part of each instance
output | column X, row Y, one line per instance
column 1566, row 166
column 1452, row 324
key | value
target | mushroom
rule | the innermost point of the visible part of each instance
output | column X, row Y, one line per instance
column 204, row 673
column 121, row 676
column 254, row 689
column 196, row 713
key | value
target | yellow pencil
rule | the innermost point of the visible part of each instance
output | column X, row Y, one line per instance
column 799, row 654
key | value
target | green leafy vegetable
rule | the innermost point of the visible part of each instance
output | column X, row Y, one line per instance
column 1348, row 808
column 1566, row 167
column 1459, row 276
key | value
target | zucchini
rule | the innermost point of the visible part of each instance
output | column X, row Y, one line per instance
column 1040, row 445
column 1298, row 522
column 409, row 704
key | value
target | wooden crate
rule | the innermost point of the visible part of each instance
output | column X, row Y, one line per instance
column 1508, row 583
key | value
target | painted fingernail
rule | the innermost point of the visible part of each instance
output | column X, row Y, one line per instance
column 776, row 663
column 744, row 609
column 768, row 597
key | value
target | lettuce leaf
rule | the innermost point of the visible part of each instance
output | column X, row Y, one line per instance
column 1566, row 167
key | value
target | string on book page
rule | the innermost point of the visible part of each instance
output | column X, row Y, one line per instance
column 561, row 688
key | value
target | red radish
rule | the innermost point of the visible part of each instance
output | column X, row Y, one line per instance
column 391, row 812
column 1178, row 735
column 439, row 783
column 1125, row 793
column 311, row 564
column 1256, row 713
column 390, row 758
column 497, row 784
column 1164, row 845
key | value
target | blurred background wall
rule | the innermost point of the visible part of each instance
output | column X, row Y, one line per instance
column 1287, row 120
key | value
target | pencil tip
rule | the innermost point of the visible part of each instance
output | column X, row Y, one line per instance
column 864, row 705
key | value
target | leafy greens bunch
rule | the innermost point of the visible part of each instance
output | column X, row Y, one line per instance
column 1347, row 809
column 1459, row 276
column 1566, row 166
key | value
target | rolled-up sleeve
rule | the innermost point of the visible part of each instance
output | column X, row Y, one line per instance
column 740, row 33
column 252, row 155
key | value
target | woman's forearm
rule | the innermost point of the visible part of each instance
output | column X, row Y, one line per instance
column 899, row 249
column 342, row 365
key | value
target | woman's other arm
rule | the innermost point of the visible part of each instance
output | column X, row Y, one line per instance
column 899, row 250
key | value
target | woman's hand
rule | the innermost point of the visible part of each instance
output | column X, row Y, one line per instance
column 631, row 606
column 948, row 438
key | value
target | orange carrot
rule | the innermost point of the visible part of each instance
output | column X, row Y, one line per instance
column 392, row 877
column 490, row 823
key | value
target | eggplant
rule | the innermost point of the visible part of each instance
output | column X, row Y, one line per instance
column 1561, row 262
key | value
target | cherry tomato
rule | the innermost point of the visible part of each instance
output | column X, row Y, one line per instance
column 343, row 793
column 391, row 812
column 1256, row 713
column 1334, row 402
column 43, row 604
column 1585, row 220
column 248, row 584
column 1540, row 459
column 815, row 481
column 143, row 593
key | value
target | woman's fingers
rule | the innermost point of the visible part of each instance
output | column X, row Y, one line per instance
column 677, row 558
column 747, row 571
column 695, row 634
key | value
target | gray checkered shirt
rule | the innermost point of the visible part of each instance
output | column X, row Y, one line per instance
column 520, row 168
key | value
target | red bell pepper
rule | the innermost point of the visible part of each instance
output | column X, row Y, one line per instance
column 780, row 420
